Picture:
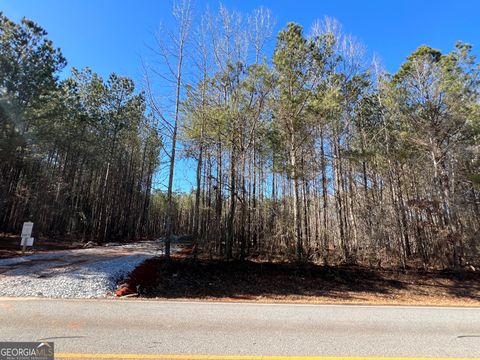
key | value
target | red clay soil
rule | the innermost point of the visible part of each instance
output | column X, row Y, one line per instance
column 146, row 275
column 204, row 279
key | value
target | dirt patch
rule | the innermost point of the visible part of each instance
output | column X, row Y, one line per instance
column 145, row 277
column 204, row 279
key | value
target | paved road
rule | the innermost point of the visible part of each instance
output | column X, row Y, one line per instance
column 95, row 326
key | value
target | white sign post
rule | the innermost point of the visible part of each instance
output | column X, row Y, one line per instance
column 27, row 239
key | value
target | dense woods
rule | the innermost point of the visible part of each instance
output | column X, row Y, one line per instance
column 77, row 156
column 304, row 149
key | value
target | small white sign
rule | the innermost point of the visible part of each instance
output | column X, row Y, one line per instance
column 27, row 229
column 27, row 241
column 30, row 241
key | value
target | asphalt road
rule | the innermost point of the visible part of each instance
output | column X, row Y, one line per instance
column 95, row 326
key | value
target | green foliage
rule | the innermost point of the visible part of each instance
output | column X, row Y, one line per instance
column 72, row 147
column 356, row 160
column 28, row 67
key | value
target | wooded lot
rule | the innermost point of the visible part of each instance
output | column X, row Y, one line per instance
column 309, row 152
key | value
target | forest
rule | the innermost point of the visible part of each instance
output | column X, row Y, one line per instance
column 300, row 145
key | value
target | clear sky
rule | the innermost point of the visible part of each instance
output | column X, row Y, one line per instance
column 110, row 35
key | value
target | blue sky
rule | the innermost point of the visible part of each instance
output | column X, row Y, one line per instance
column 111, row 35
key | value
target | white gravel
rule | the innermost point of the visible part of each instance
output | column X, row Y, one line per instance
column 83, row 273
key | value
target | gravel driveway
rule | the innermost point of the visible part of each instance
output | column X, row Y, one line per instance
column 84, row 273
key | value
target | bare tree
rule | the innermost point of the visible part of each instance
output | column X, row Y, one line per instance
column 171, row 49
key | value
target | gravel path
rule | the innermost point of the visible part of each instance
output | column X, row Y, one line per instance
column 84, row 273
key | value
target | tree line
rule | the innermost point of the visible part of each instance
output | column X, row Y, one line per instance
column 78, row 155
column 308, row 151
column 314, row 152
